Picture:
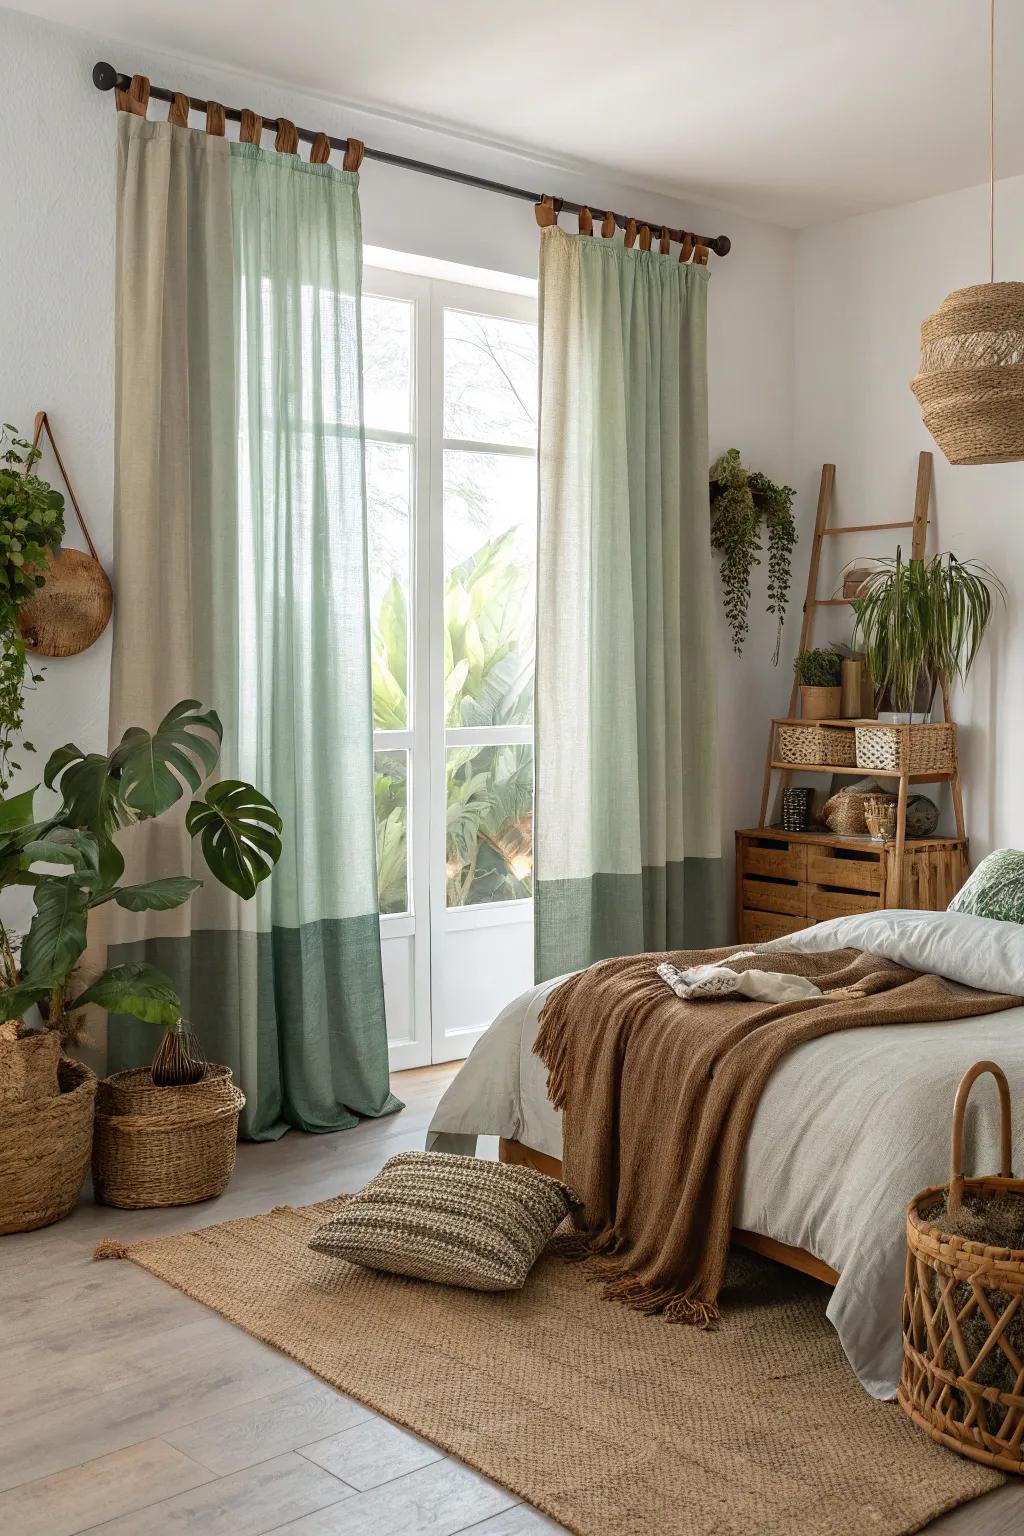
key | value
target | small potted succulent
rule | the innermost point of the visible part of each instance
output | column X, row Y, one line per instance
column 819, row 673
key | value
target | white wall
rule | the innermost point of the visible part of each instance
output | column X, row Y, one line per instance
column 862, row 289
column 56, row 314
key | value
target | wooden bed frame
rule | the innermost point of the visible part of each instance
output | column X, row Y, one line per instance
column 768, row 1247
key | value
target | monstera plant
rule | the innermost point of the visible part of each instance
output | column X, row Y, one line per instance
column 145, row 775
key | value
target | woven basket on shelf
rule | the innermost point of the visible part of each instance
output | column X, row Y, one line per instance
column 164, row 1146
column 960, row 1302
column 819, row 746
column 44, row 1151
column 844, row 812
column 928, row 748
column 970, row 386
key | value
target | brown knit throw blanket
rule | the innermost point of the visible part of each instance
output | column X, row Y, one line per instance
column 658, row 1096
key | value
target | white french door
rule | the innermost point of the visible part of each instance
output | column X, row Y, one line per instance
column 450, row 387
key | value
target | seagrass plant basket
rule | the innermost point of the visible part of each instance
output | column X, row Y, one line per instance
column 44, row 1150
column 963, row 1306
column 157, row 1146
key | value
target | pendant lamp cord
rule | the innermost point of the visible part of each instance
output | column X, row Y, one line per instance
column 992, row 141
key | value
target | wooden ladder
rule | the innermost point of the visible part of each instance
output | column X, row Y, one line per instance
column 823, row 530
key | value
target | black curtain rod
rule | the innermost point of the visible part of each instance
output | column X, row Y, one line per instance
column 105, row 77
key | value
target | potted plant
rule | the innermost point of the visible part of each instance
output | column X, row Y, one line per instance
column 819, row 673
column 31, row 526
column 921, row 622
column 741, row 501
column 144, row 776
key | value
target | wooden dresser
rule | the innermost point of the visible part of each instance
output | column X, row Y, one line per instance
column 791, row 880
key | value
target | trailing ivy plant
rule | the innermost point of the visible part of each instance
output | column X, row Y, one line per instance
column 31, row 524
column 740, row 502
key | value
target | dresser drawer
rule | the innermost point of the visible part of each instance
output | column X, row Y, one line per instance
column 835, row 866
column 777, row 857
column 775, row 896
column 823, row 904
column 757, row 927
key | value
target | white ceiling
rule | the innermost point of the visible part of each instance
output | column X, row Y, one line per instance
column 796, row 111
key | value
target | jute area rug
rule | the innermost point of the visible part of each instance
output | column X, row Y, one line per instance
column 612, row 1423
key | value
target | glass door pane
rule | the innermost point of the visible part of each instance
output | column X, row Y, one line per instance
column 482, row 912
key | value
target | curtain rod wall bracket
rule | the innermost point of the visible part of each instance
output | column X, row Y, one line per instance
column 105, row 78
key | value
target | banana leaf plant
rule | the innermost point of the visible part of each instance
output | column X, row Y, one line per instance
column 239, row 832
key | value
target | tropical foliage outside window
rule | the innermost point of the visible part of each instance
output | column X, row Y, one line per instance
column 489, row 495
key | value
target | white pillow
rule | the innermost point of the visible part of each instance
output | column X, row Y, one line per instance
column 981, row 952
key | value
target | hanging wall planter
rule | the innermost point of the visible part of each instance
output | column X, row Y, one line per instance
column 970, row 385
column 741, row 502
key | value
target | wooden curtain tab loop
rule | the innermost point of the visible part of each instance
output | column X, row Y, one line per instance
column 177, row 114
column 608, row 225
column 700, row 255
column 251, row 130
column 665, row 243
column 215, row 119
column 686, row 249
column 321, row 151
column 645, row 237
column 544, row 212
column 136, row 98
column 355, row 149
column 586, row 222
column 630, row 235
column 287, row 141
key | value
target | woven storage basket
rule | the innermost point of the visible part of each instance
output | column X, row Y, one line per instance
column 959, row 1297
column 164, row 1146
column 970, row 386
column 29, row 1065
column 929, row 748
column 817, row 745
column 44, row 1151
column 844, row 813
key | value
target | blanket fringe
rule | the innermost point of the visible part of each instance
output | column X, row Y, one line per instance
column 601, row 1266
column 551, row 1043
column 110, row 1248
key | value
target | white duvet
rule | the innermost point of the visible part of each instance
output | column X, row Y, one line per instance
column 849, row 1126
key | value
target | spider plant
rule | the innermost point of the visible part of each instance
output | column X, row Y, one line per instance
column 923, row 619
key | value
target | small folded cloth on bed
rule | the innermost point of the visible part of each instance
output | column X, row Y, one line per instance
column 711, row 981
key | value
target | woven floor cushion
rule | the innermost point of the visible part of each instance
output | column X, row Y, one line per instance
column 995, row 889
column 455, row 1220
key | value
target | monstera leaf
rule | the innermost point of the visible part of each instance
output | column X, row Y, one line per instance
column 57, row 935
column 140, row 990
column 156, row 895
column 144, row 774
column 239, row 831
column 16, row 810
column 151, row 767
column 15, row 1001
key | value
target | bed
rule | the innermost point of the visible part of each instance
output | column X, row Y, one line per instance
column 848, row 1128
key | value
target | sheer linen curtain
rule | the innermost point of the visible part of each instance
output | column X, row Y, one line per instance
column 627, row 839
column 240, row 520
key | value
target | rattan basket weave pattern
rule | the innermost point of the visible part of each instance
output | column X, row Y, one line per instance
column 164, row 1146
column 927, row 748
column 44, row 1151
column 952, row 1281
column 816, row 745
column 970, row 385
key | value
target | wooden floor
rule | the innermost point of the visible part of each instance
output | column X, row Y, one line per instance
column 127, row 1408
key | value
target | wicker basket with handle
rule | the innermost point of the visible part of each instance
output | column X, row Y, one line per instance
column 164, row 1146
column 960, row 1302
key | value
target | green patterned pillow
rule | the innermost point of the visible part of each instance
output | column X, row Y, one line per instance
column 996, row 888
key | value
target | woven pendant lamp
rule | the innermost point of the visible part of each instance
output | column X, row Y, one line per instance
column 970, row 385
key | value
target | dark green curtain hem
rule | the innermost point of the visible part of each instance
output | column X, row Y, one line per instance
column 297, row 1014
column 665, row 907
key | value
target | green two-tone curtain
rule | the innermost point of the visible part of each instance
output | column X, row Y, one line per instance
column 240, row 524
column 626, row 838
